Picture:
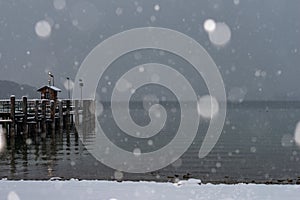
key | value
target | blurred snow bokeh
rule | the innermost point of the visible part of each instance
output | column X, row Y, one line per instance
column 12, row 195
column 68, row 84
column 43, row 29
column 156, row 7
column 209, row 25
column 59, row 4
column 237, row 94
column 221, row 35
column 236, row 2
column 84, row 15
column 207, row 106
column 287, row 140
column 297, row 134
column 123, row 85
column 119, row 11
column 118, row 175
column 149, row 100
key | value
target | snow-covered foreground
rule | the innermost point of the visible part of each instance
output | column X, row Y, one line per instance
column 110, row 190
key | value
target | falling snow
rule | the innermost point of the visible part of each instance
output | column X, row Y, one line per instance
column 237, row 94
column 141, row 69
column 153, row 18
column 297, row 134
column 236, row 2
column 139, row 9
column 43, row 29
column 13, row 196
column 220, row 35
column 28, row 141
column 149, row 100
column 261, row 73
column 123, row 85
column 137, row 152
column 77, row 24
column 119, row 11
column 207, row 106
column 177, row 163
column 84, row 15
column 68, row 84
column 287, row 140
column 150, row 142
column 118, row 175
column 59, row 4
column 279, row 72
column 156, row 7
column 209, row 25
column 253, row 149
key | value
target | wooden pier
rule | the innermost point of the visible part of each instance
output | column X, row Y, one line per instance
column 21, row 116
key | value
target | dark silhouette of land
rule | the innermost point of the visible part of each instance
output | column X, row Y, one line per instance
column 8, row 88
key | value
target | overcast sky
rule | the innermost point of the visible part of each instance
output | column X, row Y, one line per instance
column 260, row 60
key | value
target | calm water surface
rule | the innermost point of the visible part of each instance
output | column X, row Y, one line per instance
column 256, row 146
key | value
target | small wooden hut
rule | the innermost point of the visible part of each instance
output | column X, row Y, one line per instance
column 49, row 92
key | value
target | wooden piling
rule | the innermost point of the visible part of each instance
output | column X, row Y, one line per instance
column 52, row 114
column 25, row 116
column 76, row 112
column 36, row 115
column 43, row 121
column 61, row 118
column 68, row 113
column 92, row 110
column 85, row 117
column 68, row 104
column 12, row 115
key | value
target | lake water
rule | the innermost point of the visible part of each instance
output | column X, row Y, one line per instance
column 256, row 145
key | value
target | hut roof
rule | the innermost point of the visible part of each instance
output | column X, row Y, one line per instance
column 50, row 87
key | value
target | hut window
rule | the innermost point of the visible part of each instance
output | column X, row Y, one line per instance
column 47, row 95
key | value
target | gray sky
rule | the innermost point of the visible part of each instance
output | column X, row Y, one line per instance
column 260, row 62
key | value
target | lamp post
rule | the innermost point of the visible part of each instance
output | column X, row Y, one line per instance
column 69, row 91
column 52, row 76
column 81, row 86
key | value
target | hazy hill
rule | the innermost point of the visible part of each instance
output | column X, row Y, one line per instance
column 8, row 88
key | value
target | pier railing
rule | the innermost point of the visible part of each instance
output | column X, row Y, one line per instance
column 4, row 106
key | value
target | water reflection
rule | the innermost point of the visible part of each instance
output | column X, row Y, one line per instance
column 250, row 149
column 2, row 139
column 35, row 156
